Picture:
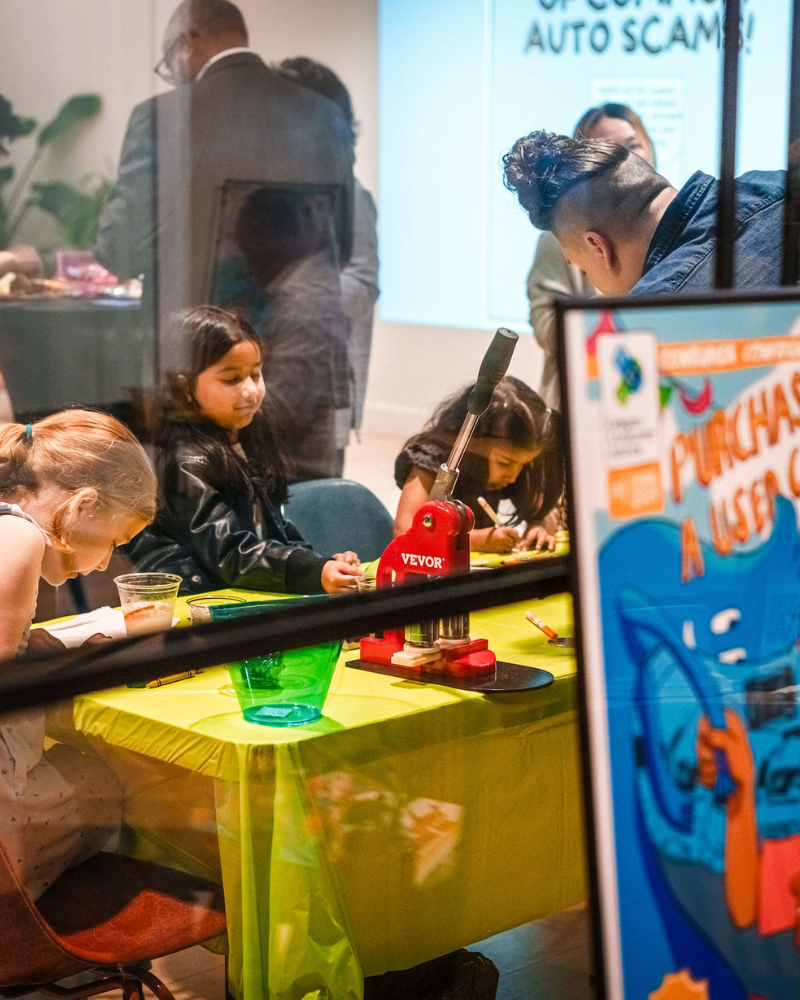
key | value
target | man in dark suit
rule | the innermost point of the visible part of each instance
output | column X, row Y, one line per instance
column 229, row 117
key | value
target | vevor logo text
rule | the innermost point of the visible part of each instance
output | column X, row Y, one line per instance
column 427, row 562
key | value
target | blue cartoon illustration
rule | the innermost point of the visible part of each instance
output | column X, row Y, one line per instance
column 705, row 740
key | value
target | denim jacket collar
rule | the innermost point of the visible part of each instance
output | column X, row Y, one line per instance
column 676, row 219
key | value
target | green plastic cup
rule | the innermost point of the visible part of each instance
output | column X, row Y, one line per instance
column 285, row 689
column 281, row 689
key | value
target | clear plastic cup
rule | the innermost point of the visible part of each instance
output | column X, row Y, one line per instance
column 148, row 600
column 200, row 606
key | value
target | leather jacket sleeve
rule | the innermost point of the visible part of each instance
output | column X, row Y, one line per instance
column 222, row 541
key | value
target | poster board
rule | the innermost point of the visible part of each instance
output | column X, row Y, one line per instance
column 684, row 440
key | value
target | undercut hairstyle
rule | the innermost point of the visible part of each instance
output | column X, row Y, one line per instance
column 621, row 112
column 215, row 17
column 323, row 81
column 569, row 185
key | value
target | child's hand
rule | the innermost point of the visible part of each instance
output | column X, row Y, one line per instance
column 96, row 639
column 338, row 575
column 40, row 641
column 348, row 557
column 502, row 539
column 538, row 538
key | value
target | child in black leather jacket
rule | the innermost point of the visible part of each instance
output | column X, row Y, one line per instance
column 222, row 477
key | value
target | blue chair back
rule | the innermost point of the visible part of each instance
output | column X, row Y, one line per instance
column 334, row 515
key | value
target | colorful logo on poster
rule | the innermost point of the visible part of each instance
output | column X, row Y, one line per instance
column 631, row 374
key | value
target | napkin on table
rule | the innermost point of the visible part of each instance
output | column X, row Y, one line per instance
column 74, row 631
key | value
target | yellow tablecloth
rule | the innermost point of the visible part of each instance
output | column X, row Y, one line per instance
column 492, row 559
column 409, row 821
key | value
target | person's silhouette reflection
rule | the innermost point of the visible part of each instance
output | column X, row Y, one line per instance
column 287, row 241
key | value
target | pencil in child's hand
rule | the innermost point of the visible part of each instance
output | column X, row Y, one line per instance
column 488, row 508
column 541, row 625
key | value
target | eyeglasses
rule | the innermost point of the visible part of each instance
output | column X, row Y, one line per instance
column 163, row 68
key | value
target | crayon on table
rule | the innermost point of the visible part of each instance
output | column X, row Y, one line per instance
column 541, row 625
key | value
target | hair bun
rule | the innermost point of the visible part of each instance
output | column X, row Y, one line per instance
column 530, row 167
column 541, row 167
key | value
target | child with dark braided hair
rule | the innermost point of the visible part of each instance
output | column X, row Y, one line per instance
column 516, row 456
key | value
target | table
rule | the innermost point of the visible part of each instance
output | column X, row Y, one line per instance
column 61, row 352
column 409, row 821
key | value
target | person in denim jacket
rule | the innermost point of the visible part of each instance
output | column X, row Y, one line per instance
column 629, row 230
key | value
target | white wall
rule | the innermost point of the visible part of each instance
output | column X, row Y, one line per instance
column 414, row 367
column 53, row 49
column 50, row 49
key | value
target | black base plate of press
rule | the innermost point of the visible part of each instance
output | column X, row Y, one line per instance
column 506, row 677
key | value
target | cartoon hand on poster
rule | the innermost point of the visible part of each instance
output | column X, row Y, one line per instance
column 778, row 870
column 733, row 742
column 706, row 708
column 741, row 836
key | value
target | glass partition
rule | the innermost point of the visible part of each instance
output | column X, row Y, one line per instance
column 283, row 529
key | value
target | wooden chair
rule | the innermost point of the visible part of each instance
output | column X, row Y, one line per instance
column 107, row 915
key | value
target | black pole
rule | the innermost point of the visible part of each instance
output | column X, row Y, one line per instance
column 726, row 201
column 791, row 211
column 47, row 678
